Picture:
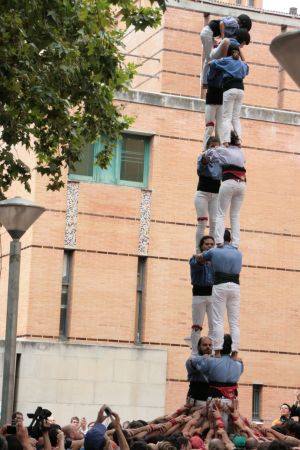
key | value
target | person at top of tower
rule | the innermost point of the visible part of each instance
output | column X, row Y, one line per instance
column 227, row 27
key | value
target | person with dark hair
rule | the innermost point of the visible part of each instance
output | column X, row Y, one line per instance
column 295, row 408
column 202, row 279
column 95, row 438
column 285, row 415
column 263, row 445
column 242, row 36
column 179, row 441
column 233, row 187
column 139, row 445
column 292, row 428
column 234, row 71
column 223, row 372
column 227, row 264
column 206, row 197
column 17, row 416
column 225, row 28
column 198, row 388
column 279, row 445
column 21, row 440
column 226, row 46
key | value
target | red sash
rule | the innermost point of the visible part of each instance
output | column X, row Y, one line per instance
column 226, row 391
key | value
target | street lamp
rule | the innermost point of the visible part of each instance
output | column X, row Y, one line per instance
column 16, row 215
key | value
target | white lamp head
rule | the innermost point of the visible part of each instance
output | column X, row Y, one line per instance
column 18, row 214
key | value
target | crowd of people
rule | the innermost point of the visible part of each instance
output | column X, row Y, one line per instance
column 210, row 425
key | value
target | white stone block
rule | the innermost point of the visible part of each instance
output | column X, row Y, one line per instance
column 112, row 393
column 104, row 370
column 129, row 371
column 87, row 368
column 74, row 391
column 157, row 372
column 38, row 392
column 150, row 395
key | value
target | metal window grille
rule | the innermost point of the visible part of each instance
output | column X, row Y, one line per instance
column 140, row 299
column 256, row 401
column 132, row 159
column 65, row 293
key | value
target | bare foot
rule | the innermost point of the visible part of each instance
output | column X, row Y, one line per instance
column 234, row 355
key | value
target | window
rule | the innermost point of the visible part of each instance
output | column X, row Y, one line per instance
column 256, row 401
column 129, row 165
column 140, row 299
column 238, row 2
column 251, row 3
column 65, row 292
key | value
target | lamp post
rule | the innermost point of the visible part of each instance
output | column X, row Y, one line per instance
column 16, row 215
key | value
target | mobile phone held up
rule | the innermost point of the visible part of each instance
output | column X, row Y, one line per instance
column 108, row 411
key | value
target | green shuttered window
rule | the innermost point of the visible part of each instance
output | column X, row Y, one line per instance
column 129, row 166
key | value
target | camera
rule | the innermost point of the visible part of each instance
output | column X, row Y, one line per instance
column 11, row 429
column 36, row 426
column 53, row 431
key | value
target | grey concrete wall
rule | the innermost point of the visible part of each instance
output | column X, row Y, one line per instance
column 75, row 379
column 196, row 104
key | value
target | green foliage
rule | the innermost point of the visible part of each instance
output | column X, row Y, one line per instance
column 61, row 62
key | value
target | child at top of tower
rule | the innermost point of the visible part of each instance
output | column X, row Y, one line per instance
column 227, row 27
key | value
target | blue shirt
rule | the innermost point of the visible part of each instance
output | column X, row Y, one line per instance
column 209, row 168
column 225, row 155
column 201, row 274
column 193, row 373
column 222, row 370
column 227, row 259
column 231, row 68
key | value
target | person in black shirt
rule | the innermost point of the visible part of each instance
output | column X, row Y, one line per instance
column 206, row 197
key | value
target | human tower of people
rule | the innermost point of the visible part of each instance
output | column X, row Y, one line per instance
column 217, row 262
column 216, row 265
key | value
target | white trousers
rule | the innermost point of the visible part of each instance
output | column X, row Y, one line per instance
column 206, row 204
column 213, row 120
column 231, row 194
column 207, row 40
column 232, row 105
column 201, row 305
column 226, row 296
